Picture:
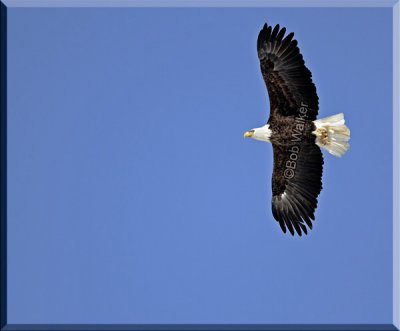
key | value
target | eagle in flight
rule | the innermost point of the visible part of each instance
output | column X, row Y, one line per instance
column 294, row 131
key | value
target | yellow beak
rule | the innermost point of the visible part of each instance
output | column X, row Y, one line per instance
column 248, row 134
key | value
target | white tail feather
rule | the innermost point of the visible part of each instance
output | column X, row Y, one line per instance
column 332, row 134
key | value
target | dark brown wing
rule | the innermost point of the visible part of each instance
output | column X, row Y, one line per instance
column 296, row 184
column 287, row 78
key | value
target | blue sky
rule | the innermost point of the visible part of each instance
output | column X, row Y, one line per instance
column 133, row 196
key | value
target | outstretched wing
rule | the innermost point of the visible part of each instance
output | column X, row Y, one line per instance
column 287, row 78
column 296, row 184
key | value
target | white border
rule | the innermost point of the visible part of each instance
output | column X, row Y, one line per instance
column 396, row 166
column 199, row 3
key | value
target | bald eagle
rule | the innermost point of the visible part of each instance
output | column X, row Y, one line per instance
column 294, row 131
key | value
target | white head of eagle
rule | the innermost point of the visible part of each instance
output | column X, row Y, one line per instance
column 294, row 131
column 263, row 133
